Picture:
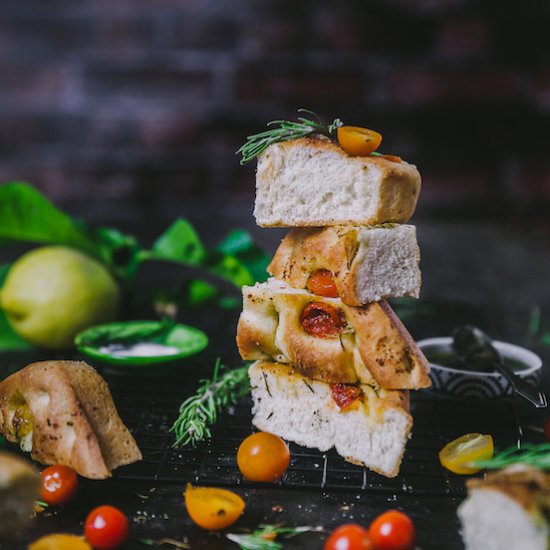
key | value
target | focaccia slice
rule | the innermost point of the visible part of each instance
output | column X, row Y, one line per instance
column 63, row 413
column 370, row 345
column 371, row 431
column 368, row 264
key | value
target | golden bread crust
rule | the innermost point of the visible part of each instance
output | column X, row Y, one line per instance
column 62, row 397
column 377, row 347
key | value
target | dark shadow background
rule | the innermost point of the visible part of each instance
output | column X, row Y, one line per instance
column 131, row 111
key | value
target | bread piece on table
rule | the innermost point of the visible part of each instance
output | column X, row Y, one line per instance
column 19, row 489
column 509, row 509
column 373, row 347
column 368, row 263
column 312, row 182
column 63, row 413
column 373, row 432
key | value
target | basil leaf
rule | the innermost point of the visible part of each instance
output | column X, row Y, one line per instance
column 179, row 243
column 27, row 216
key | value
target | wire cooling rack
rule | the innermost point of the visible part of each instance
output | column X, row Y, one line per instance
column 149, row 408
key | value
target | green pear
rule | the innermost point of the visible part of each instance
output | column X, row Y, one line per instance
column 52, row 293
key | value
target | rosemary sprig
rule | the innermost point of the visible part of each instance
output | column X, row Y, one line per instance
column 285, row 130
column 537, row 456
column 264, row 537
column 200, row 411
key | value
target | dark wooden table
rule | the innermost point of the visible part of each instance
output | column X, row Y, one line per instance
column 156, row 508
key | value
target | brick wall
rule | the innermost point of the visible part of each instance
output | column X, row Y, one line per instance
column 124, row 108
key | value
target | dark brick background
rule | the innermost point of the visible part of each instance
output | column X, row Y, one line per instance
column 124, row 109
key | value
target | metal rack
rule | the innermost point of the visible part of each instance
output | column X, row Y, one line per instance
column 150, row 408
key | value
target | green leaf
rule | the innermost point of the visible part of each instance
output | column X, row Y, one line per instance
column 179, row 243
column 199, row 292
column 27, row 216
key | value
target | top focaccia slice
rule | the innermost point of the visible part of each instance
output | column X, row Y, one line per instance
column 313, row 182
column 367, row 263
column 370, row 345
column 63, row 413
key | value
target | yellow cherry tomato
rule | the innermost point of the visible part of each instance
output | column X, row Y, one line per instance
column 357, row 141
column 458, row 454
column 212, row 508
column 263, row 457
column 60, row 542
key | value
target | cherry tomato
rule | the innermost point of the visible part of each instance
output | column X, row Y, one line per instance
column 547, row 430
column 393, row 530
column 59, row 485
column 321, row 282
column 212, row 508
column 357, row 141
column 457, row 454
column 322, row 320
column 345, row 394
column 263, row 457
column 349, row 537
column 106, row 528
column 392, row 158
column 60, row 542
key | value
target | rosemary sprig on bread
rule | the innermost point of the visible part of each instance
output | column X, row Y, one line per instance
column 200, row 411
column 286, row 130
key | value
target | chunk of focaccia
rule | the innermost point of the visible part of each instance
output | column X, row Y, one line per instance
column 368, row 263
column 509, row 509
column 63, row 413
column 372, row 346
column 312, row 181
column 372, row 431
column 19, row 489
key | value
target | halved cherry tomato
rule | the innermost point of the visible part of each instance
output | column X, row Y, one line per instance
column 59, row 485
column 345, row 394
column 263, row 457
column 457, row 454
column 212, row 508
column 60, row 542
column 321, row 282
column 392, row 158
column 357, row 141
column 322, row 320
column 349, row 537
column 393, row 530
column 106, row 528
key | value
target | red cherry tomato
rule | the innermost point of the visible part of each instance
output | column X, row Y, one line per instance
column 345, row 394
column 106, row 528
column 322, row 320
column 393, row 530
column 59, row 485
column 322, row 282
column 349, row 537
column 547, row 430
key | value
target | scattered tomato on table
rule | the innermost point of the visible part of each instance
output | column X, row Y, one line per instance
column 393, row 530
column 60, row 542
column 106, row 528
column 457, row 455
column 263, row 457
column 349, row 536
column 59, row 485
column 212, row 508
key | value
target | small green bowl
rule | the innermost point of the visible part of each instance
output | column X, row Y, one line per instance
column 188, row 341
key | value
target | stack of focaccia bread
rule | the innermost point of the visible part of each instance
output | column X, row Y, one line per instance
column 333, row 363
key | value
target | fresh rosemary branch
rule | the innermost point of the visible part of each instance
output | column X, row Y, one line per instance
column 200, row 411
column 264, row 537
column 537, row 456
column 285, row 130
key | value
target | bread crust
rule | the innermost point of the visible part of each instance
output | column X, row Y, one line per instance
column 394, row 195
column 63, row 397
column 377, row 347
column 306, row 250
